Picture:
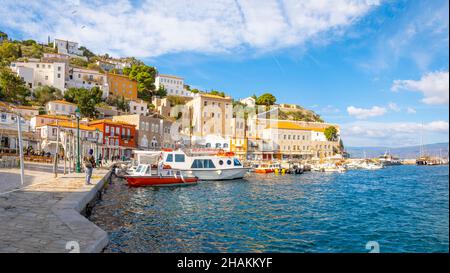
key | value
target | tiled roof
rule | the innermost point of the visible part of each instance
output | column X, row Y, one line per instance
column 62, row 101
column 286, row 125
column 72, row 124
column 108, row 121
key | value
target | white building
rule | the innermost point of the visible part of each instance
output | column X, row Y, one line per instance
column 67, row 47
column 41, row 73
column 211, row 116
column 60, row 107
column 174, row 85
column 88, row 78
column 89, row 136
column 250, row 101
column 138, row 107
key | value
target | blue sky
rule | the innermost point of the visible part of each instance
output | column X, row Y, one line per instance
column 379, row 69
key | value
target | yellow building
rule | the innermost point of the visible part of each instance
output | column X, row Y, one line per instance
column 121, row 86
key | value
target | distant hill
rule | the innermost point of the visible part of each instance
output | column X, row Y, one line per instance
column 402, row 152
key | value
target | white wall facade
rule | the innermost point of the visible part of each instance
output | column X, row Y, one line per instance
column 87, row 78
column 60, row 108
column 37, row 74
column 138, row 107
column 173, row 85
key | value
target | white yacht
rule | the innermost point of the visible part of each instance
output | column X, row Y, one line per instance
column 206, row 167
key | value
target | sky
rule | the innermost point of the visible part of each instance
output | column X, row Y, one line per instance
column 379, row 69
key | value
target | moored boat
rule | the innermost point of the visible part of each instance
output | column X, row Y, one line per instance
column 221, row 166
column 144, row 175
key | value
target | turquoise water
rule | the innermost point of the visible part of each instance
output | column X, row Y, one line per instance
column 403, row 208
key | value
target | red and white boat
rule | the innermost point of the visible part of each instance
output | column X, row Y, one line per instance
column 145, row 175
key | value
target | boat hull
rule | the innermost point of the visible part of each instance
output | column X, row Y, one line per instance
column 140, row 181
column 264, row 170
column 222, row 174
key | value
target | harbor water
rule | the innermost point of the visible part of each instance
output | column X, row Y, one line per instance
column 402, row 208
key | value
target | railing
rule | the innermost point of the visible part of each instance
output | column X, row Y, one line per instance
column 9, row 162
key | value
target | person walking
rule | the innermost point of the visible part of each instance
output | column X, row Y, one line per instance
column 89, row 164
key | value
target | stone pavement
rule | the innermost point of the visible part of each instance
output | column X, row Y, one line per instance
column 45, row 216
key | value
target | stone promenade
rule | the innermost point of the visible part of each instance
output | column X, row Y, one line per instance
column 44, row 216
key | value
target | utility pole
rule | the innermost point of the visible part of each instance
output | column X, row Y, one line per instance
column 65, row 151
column 55, row 162
column 19, row 133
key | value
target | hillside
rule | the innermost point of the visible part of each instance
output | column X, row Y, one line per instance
column 300, row 115
column 402, row 152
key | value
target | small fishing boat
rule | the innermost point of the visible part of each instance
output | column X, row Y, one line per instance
column 144, row 175
column 268, row 168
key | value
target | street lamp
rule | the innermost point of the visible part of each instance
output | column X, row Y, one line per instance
column 97, row 136
column 78, row 115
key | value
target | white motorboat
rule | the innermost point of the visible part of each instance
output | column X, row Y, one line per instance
column 389, row 160
column 371, row 166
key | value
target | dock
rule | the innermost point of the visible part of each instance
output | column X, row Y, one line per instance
column 46, row 216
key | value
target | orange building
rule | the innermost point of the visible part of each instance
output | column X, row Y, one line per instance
column 121, row 85
column 119, row 138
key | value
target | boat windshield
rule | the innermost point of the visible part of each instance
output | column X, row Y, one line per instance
column 237, row 162
column 202, row 163
column 139, row 168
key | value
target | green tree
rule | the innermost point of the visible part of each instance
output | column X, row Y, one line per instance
column 331, row 133
column 145, row 76
column 217, row 93
column 85, row 99
column 195, row 91
column 120, row 102
column 78, row 62
column 176, row 100
column 9, row 52
column 86, row 52
column 266, row 99
column 44, row 94
column 3, row 36
column 29, row 42
column 161, row 92
column 13, row 88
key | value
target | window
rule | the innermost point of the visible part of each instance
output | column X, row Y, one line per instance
column 59, row 68
column 107, row 129
column 46, row 78
column 117, row 130
column 179, row 158
column 202, row 163
column 228, row 162
column 169, row 158
column 237, row 162
column 225, row 145
column 218, row 145
column 221, row 162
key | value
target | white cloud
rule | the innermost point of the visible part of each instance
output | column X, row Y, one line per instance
column 394, row 107
column 411, row 110
column 362, row 113
column 434, row 86
column 152, row 28
column 393, row 133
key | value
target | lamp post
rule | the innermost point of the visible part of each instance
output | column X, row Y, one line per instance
column 97, row 136
column 78, row 115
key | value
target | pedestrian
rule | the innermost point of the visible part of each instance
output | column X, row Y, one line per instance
column 89, row 164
